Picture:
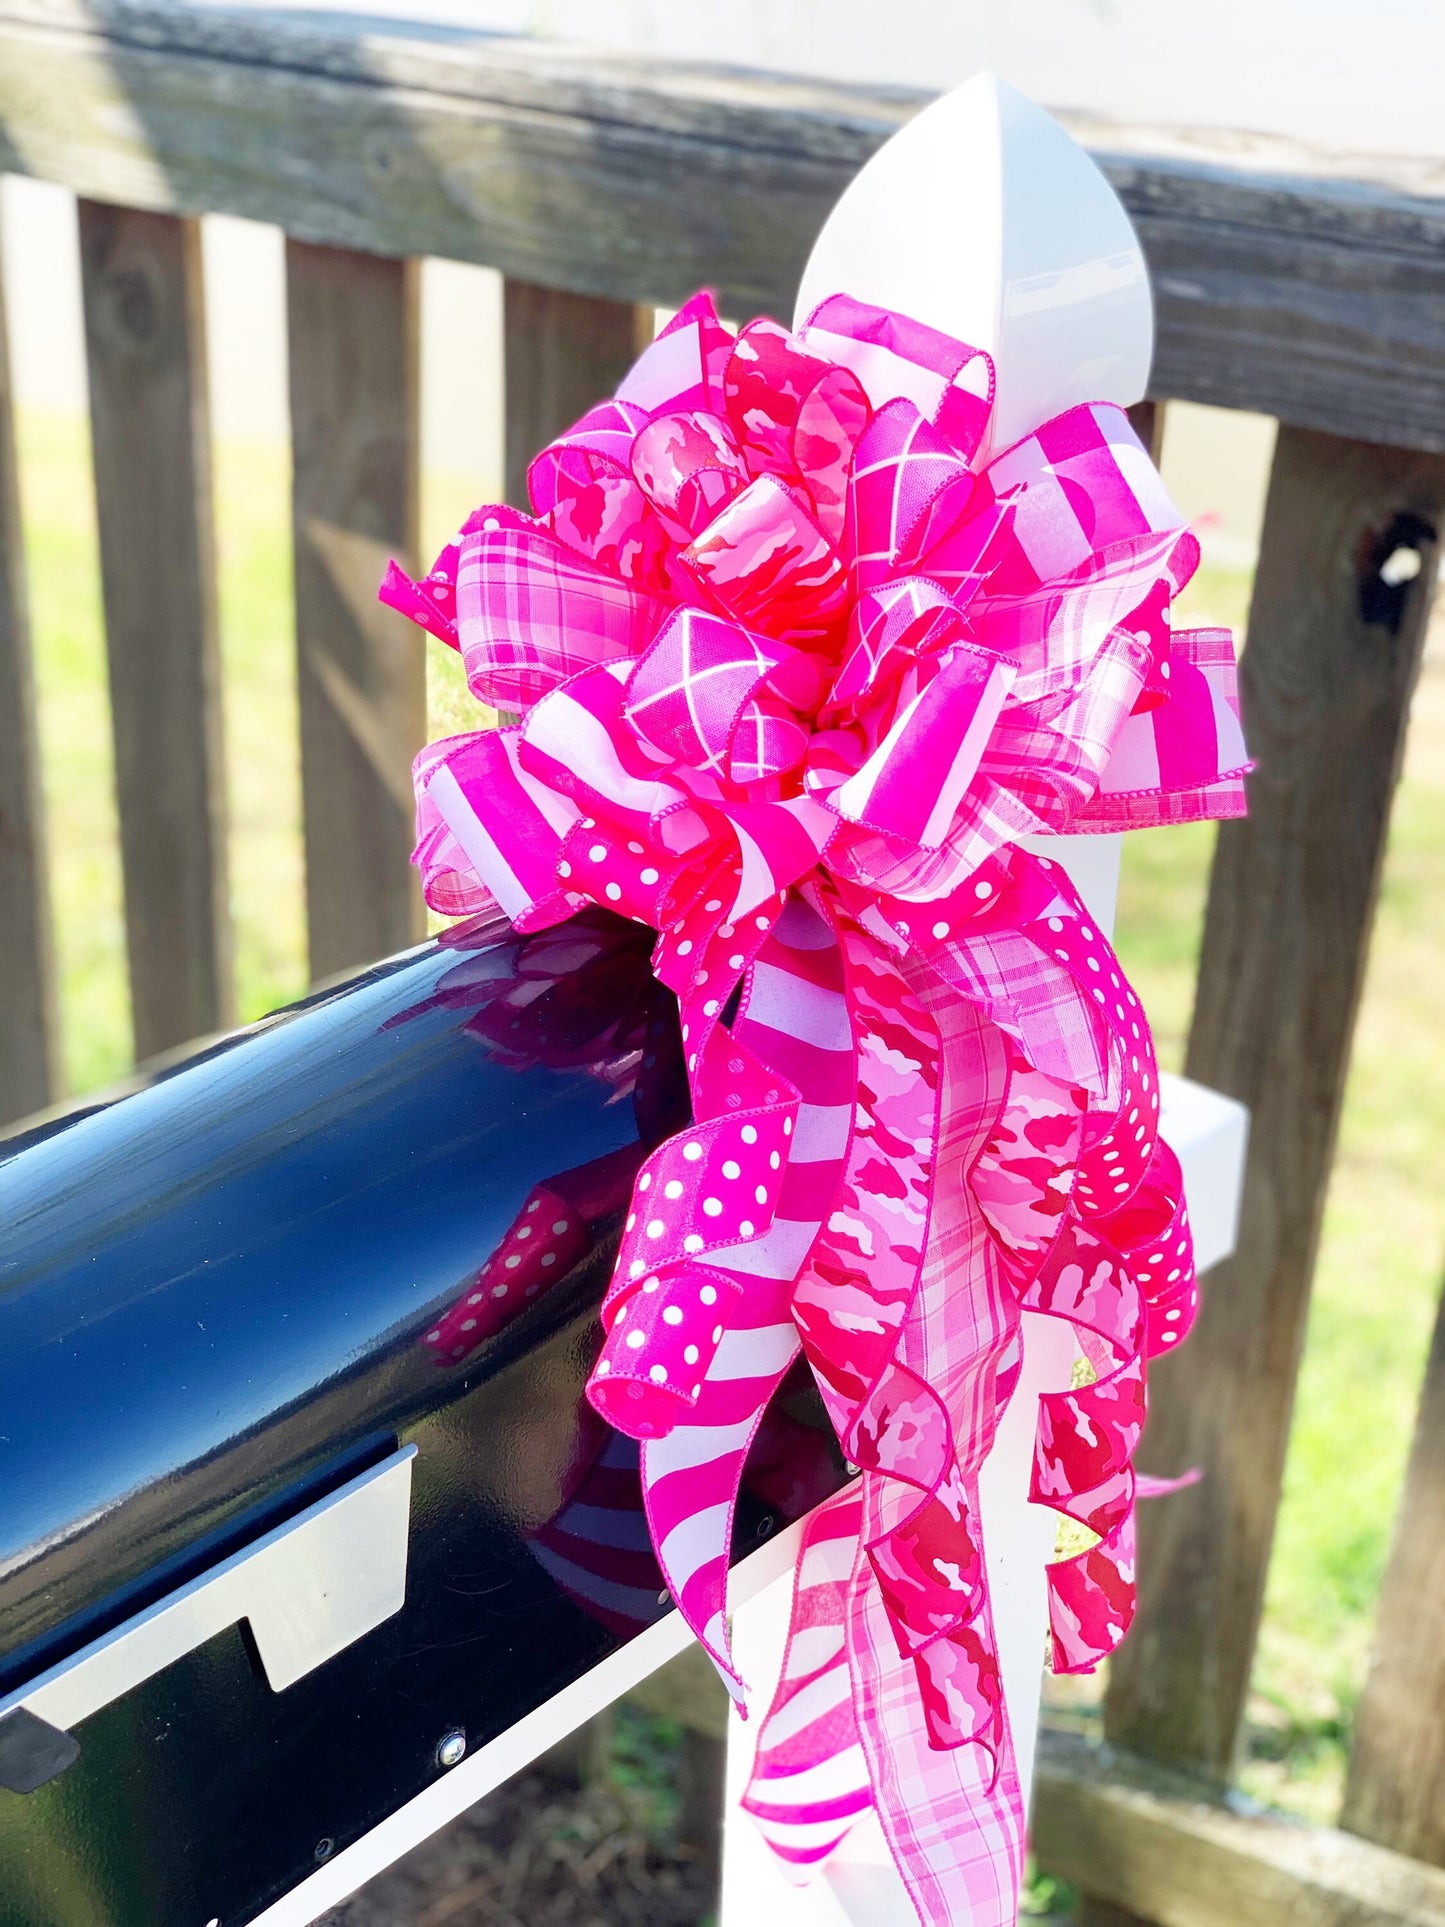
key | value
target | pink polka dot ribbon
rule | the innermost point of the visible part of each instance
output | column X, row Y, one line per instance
column 796, row 671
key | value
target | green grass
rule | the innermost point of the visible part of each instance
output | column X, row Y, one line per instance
column 1379, row 1267
column 75, row 745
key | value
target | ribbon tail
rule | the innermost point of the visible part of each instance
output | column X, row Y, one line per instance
column 905, row 1322
column 809, row 1782
column 1139, row 1297
column 952, row 1814
column 792, row 1019
column 690, row 1485
column 1085, row 1204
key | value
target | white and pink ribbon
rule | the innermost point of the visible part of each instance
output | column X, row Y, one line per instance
column 795, row 676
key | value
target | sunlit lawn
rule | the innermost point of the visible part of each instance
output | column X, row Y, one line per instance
column 1382, row 1247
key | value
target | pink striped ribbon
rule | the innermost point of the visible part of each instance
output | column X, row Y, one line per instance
column 797, row 673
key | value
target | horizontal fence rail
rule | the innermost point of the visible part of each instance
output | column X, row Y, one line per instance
column 1303, row 286
column 1306, row 286
column 1157, row 1847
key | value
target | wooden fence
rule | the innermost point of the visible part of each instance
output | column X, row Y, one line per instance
column 1303, row 287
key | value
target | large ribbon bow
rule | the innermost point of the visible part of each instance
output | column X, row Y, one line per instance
column 797, row 672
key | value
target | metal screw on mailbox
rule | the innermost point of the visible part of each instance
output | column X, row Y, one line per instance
column 450, row 1748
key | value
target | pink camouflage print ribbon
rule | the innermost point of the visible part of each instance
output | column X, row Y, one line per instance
column 796, row 672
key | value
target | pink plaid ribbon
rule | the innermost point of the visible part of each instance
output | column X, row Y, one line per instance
column 796, row 677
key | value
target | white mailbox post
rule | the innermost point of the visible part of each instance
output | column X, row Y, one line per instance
column 984, row 219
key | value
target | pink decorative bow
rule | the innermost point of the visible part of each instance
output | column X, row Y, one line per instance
column 797, row 675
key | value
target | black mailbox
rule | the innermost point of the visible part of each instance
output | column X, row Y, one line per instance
column 299, row 1493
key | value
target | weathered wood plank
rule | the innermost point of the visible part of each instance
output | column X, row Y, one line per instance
column 1154, row 1844
column 29, row 1025
column 702, row 1790
column 1332, row 655
column 150, row 432
column 352, row 324
column 1395, row 1791
column 562, row 354
column 1302, row 285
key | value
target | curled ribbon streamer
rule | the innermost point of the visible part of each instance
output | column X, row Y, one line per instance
column 796, row 676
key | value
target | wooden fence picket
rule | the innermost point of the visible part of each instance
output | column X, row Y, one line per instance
column 1393, row 1793
column 562, row 353
column 150, row 432
column 1329, row 666
column 352, row 328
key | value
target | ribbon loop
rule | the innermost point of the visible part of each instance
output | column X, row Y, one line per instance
column 764, row 560
column 689, row 467
column 704, row 684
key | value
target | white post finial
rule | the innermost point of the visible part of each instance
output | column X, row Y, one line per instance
column 984, row 219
